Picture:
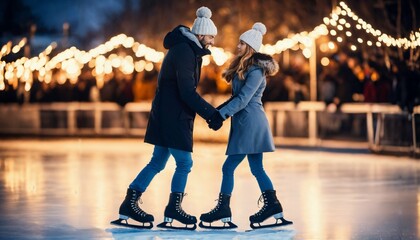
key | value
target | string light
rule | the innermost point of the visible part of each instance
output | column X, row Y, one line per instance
column 342, row 11
column 71, row 61
column 7, row 48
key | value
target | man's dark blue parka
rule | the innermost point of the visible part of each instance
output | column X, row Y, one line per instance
column 176, row 102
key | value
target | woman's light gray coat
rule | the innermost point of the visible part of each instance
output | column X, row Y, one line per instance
column 250, row 132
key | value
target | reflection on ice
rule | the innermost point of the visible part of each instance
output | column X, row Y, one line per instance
column 278, row 234
column 71, row 189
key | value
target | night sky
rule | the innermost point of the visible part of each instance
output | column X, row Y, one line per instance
column 83, row 16
column 88, row 19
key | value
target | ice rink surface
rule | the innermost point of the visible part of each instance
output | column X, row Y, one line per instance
column 72, row 189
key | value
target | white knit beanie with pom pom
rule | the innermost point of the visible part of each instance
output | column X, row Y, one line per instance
column 253, row 37
column 203, row 25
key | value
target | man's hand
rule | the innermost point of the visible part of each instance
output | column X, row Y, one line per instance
column 215, row 121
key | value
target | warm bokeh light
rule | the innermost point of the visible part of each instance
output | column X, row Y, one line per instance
column 71, row 61
column 325, row 61
column 307, row 53
column 341, row 12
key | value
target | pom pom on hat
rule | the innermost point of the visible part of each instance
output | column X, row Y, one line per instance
column 203, row 25
column 260, row 28
column 253, row 37
column 203, row 12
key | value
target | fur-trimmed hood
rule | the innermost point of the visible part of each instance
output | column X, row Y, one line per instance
column 267, row 63
column 182, row 34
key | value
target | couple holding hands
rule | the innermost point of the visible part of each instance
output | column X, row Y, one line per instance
column 171, row 121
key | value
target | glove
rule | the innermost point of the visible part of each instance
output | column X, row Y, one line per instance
column 215, row 121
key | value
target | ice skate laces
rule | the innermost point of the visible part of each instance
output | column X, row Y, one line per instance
column 179, row 208
column 136, row 208
column 219, row 201
column 261, row 200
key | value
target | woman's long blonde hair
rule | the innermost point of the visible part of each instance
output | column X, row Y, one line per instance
column 240, row 65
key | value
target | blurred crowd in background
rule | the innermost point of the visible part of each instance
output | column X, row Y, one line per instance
column 368, row 73
column 346, row 78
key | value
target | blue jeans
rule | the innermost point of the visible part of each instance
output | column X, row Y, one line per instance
column 256, row 165
column 158, row 162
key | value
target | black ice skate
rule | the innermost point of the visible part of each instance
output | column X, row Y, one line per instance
column 272, row 207
column 130, row 209
column 220, row 212
column 174, row 211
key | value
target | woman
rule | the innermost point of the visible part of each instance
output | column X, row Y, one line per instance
column 250, row 133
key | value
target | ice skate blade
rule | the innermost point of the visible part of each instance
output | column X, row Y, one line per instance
column 230, row 225
column 168, row 225
column 283, row 222
column 119, row 222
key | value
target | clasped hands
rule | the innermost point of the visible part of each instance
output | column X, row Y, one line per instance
column 215, row 121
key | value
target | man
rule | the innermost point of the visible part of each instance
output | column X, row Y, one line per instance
column 171, row 120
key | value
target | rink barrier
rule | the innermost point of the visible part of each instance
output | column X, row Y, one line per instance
column 375, row 117
column 110, row 119
column 416, row 127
